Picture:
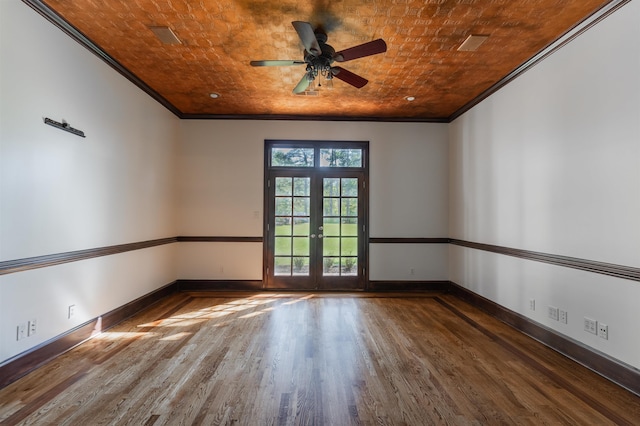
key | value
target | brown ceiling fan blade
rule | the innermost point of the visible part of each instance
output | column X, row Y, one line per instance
column 275, row 63
column 367, row 49
column 302, row 85
column 308, row 37
column 348, row 77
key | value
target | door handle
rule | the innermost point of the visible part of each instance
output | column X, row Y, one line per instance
column 313, row 236
column 320, row 235
column 320, row 228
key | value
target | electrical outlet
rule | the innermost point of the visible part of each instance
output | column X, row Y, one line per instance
column 32, row 327
column 553, row 313
column 532, row 304
column 563, row 317
column 71, row 312
column 603, row 331
column 21, row 331
column 590, row 325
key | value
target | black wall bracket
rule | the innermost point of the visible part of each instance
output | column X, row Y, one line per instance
column 64, row 126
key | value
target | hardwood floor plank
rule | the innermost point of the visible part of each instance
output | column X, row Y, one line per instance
column 306, row 358
column 560, row 372
column 37, row 402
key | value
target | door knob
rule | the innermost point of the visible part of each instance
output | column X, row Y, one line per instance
column 321, row 228
column 320, row 235
column 313, row 235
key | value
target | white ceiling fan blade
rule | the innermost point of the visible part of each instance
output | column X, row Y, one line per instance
column 308, row 37
column 302, row 85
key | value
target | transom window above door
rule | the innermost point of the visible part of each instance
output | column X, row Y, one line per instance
column 316, row 157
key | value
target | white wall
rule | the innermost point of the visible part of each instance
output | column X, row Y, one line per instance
column 551, row 163
column 221, row 169
column 60, row 192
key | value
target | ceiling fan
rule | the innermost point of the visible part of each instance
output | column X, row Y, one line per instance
column 318, row 57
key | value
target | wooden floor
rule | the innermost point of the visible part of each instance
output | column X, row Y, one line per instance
column 309, row 359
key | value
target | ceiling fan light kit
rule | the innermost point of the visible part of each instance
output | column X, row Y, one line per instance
column 319, row 57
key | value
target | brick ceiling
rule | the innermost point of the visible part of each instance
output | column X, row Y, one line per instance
column 220, row 37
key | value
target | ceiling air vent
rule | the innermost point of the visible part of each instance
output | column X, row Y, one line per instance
column 472, row 42
column 165, row 35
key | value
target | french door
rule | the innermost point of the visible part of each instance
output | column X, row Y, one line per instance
column 316, row 216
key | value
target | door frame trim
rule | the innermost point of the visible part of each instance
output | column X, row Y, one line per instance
column 268, row 143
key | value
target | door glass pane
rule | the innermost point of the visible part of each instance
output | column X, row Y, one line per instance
column 331, row 187
column 340, row 157
column 300, row 226
column 301, row 266
column 331, row 246
column 349, row 226
column 283, row 186
column 302, row 186
column 348, row 266
column 349, row 246
column 331, row 207
column 349, row 207
column 331, row 266
column 331, row 226
column 283, row 206
column 350, row 187
column 282, row 266
column 283, row 226
column 292, row 157
column 301, row 246
column 301, row 206
column 283, row 246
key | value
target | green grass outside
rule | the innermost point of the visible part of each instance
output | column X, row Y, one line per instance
column 330, row 242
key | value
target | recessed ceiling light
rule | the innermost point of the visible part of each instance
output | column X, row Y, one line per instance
column 409, row 98
column 214, row 95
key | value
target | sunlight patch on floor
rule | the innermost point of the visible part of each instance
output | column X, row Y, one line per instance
column 124, row 335
column 177, row 336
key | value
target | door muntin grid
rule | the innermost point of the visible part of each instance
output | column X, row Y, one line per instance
column 340, row 245
column 292, row 224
